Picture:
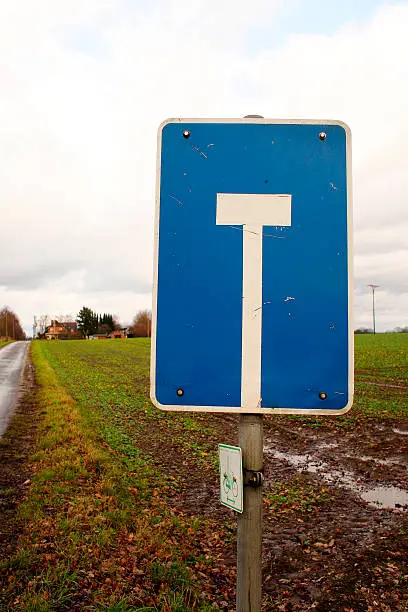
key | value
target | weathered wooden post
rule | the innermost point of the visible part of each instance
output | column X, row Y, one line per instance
column 249, row 547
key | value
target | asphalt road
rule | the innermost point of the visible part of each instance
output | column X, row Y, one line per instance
column 12, row 359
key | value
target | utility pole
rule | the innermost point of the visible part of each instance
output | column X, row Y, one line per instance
column 373, row 288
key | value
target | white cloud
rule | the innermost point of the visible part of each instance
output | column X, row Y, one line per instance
column 83, row 87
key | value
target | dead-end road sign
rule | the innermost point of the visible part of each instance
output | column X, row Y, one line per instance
column 252, row 287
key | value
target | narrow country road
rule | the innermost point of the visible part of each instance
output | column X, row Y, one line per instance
column 12, row 359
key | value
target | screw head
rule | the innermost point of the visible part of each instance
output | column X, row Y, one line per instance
column 322, row 136
column 323, row 395
column 180, row 392
column 186, row 134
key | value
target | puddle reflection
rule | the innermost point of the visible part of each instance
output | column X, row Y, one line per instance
column 380, row 497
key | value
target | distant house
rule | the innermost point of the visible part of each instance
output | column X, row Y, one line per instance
column 71, row 326
column 62, row 331
column 101, row 333
column 119, row 333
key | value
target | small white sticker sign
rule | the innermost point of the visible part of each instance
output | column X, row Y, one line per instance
column 231, row 484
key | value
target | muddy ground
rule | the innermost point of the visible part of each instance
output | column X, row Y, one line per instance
column 345, row 550
column 351, row 553
column 338, row 542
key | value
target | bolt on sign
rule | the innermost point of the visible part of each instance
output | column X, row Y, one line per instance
column 252, row 282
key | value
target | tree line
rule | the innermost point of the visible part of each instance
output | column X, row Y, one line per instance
column 10, row 326
column 90, row 323
column 369, row 330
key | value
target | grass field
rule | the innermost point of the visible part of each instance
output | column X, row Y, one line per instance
column 383, row 357
column 381, row 375
column 101, row 527
column 4, row 342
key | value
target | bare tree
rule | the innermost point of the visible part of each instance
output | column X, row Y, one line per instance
column 10, row 326
column 141, row 325
column 42, row 322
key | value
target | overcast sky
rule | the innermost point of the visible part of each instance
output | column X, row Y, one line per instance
column 84, row 85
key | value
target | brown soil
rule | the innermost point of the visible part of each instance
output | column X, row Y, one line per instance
column 348, row 554
column 343, row 554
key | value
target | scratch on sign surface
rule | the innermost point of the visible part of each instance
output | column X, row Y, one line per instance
column 259, row 307
column 243, row 229
column 289, row 299
column 197, row 149
column 273, row 236
column 179, row 202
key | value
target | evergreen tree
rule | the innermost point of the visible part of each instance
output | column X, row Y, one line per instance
column 87, row 321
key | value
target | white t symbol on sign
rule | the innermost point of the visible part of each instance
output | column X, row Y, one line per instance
column 252, row 211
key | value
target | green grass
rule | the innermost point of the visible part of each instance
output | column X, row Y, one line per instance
column 110, row 380
column 379, row 358
column 381, row 376
column 4, row 342
column 381, row 383
column 96, row 527
column 382, row 357
column 297, row 495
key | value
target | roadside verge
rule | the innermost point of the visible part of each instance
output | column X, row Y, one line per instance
column 94, row 532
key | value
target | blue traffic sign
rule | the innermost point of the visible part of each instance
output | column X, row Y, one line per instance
column 252, row 287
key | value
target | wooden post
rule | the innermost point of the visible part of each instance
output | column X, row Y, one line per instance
column 249, row 547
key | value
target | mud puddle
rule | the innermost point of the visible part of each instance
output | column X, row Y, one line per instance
column 401, row 432
column 368, row 458
column 380, row 496
column 387, row 497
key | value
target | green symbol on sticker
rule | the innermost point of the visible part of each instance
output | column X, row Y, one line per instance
column 230, row 484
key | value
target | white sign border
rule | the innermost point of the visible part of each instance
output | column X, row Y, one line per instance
column 257, row 409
